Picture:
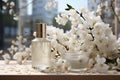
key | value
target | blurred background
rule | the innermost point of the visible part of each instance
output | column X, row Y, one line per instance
column 33, row 11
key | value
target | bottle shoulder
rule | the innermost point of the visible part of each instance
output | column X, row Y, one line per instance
column 40, row 39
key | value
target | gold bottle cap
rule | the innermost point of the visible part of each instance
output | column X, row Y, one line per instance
column 41, row 30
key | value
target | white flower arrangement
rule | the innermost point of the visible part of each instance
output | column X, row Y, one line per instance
column 88, row 34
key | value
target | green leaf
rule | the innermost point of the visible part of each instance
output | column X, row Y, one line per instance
column 69, row 7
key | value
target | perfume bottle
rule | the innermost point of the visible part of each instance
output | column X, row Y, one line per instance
column 41, row 48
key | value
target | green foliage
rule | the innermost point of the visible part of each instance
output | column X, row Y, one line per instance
column 69, row 7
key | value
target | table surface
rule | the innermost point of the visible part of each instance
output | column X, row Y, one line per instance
column 26, row 69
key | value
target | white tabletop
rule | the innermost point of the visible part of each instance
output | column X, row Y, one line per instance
column 26, row 69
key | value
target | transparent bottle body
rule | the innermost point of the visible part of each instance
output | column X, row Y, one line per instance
column 41, row 53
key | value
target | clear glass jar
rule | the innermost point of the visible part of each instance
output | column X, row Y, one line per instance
column 77, row 61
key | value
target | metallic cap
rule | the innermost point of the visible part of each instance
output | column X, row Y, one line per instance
column 41, row 30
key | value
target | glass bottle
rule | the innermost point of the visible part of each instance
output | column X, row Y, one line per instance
column 41, row 48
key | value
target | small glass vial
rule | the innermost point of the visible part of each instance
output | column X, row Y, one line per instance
column 41, row 49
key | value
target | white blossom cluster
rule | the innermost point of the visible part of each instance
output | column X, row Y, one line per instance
column 50, row 5
column 10, row 5
column 107, row 6
column 100, row 66
column 91, row 33
column 18, row 51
